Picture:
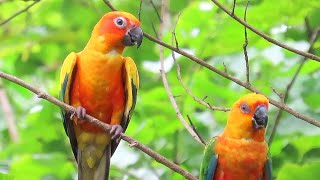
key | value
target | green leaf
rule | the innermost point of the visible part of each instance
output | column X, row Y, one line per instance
column 299, row 172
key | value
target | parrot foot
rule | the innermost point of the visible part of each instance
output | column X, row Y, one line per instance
column 116, row 131
column 80, row 113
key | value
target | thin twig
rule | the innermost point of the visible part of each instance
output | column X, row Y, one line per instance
column 174, row 31
column 8, row 115
column 109, row 5
column 155, row 9
column 166, row 84
column 225, row 68
column 233, row 7
column 245, row 46
column 266, row 37
column 175, row 41
column 313, row 37
column 134, row 143
column 195, row 130
column 308, row 27
column 204, row 98
column 175, row 152
column 19, row 12
column 216, row 108
column 154, row 30
column 278, row 93
column 139, row 13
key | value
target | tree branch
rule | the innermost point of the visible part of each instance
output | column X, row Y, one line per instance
column 207, row 105
column 237, row 81
column 233, row 7
column 8, row 115
column 132, row 142
column 175, row 41
column 167, row 87
column 155, row 9
column 284, row 97
column 139, row 12
column 195, row 130
column 19, row 12
column 109, row 5
column 245, row 46
column 266, row 37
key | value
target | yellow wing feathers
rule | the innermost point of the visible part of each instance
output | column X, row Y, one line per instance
column 66, row 76
column 131, row 84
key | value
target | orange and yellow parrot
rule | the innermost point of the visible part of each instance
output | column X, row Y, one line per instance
column 100, row 82
column 240, row 152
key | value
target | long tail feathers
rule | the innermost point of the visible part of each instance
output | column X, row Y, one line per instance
column 98, row 171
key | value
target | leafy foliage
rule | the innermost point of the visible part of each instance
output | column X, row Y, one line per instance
column 34, row 44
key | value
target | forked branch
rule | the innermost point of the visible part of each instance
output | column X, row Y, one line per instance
column 264, row 36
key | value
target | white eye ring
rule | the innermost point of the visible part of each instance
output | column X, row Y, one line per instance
column 120, row 22
column 245, row 108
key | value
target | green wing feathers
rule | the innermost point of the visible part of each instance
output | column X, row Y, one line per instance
column 209, row 161
column 268, row 169
column 66, row 77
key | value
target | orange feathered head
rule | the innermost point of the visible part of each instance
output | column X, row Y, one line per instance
column 248, row 118
column 115, row 30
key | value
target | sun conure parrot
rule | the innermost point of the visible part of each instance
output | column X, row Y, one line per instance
column 100, row 82
column 240, row 152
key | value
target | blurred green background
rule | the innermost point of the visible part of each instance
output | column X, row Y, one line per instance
column 34, row 45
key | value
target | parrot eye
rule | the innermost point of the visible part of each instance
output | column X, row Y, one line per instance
column 245, row 108
column 120, row 22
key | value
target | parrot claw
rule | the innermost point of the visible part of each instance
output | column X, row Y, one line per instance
column 80, row 113
column 115, row 132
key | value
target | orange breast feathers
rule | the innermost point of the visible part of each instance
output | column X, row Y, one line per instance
column 98, row 87
column 240, row 159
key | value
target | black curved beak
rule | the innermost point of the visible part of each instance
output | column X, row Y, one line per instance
column 260, row 117
column 133, row 37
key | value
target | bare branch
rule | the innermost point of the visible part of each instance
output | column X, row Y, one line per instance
column 155, row 9
column 154, row 30
column 132, row 142
column 195, row 130
column 313, row 37
column 245, row 46
column 166, row 84
column 266, row 37
column 191, row 94
column 8, row 115
column 308, row 27
column 278, row 94
column 233, row 7
column 237, row 81
column 139, row 13
column 174, row 33
column 225, row 68
column 19, row 12
column 175, row 41
column 109, row 5
column 204, row 98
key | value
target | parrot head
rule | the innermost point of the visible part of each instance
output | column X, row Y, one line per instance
column 115, row 31
column 248, row 118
